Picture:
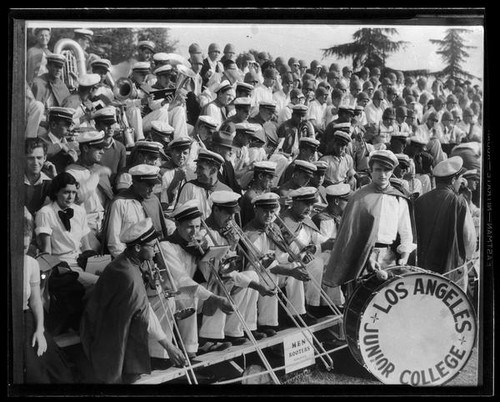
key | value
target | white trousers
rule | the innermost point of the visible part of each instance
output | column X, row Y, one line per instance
column 162, row 311
column 134, row 118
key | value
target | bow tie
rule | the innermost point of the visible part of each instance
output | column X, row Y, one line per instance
column 65, row 216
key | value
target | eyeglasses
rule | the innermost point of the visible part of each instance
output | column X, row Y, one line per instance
column 153, row 246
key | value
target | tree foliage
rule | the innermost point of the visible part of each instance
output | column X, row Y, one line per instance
column 117, row 44
column 370, row 48
column 452, row 49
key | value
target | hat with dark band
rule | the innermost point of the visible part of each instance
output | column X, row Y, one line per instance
column 472, row 174
column 208, row 156
column 340, row 190
column 208, row 121
column 243, row 86
column 164, row 69
column 151, row 147
column 86, row 33
column 141, row 67
column 106, row 115
column 180, row 143
column 248, row 128
column 268, row 105
column 450, row 167
column 304, row 166
column 346, row 109
column 308, row 142
column 161, row 128
column 265, row 167
column 187, row 211
column 300, row 110
column 418, row 140
column 64, row 113
column 321, row 167
column 242, row 102
column 342, row 136
column 103, row 63
column 146, row 44
column 404, row 160
column 89, row 80
column 140, row 233
column 92, row 138
column 304, row 194
column 385, row 157
column 145, row 173
column 223, row 86
column 266, row 201
column 56, row 58
column 226, row 199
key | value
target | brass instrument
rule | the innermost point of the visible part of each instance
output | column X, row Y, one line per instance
column 74, row 66
column 247, row 330
column 124, row 89
column 182, row 84
column 261, row 263
column 303, row 260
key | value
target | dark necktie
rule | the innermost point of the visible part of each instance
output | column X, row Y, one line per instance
column 66, row 216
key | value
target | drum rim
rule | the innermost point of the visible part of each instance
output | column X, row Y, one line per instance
column 390, row 280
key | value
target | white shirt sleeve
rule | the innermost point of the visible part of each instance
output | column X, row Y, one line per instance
column 154, row 326
column 470, row 236
column 404, row 228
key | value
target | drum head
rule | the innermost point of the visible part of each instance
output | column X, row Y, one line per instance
column 417, row 329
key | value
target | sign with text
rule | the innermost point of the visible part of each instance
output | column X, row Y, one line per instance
column 298, row 351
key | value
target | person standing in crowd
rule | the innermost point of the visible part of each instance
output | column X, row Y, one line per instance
column 131, row 206
column 115, row 154
column 307, row 152
column 211, row 65
column 316, row 113
column 36, row 181
column 373, row 218
column 82, row 100
column 217, row 109
column 243, row 285
column 44, row 361
column 375, row 109
column 222, row 144
column 62, row 229
column 263, row 175
column 104, row 91
column 49, row 88
column 206, row 182
column 118, row 318
column 183, row 251
column 62, row 148
column 94, row 190
column 446, row 236
column 176, row 171
column 242, row 107
column 264, row 92
column 36, row 58
column 340, row 163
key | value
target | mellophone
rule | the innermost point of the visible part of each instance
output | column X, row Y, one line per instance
column 416, row 327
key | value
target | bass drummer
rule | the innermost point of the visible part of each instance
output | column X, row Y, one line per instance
column 375, row 216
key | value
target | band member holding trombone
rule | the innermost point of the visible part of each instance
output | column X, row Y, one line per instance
column 182, row 252
column 243, row 285
column 118, row 318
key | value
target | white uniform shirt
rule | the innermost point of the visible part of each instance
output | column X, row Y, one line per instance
column 338, row 167
column 64, row 244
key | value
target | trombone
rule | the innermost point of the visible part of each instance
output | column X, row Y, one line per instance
column 296, row 258
column 219, row 281
column 254, row 259
column 156, row 279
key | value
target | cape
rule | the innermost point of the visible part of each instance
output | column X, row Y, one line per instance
column 114, row 325
column 439, row 217
column 357, row 234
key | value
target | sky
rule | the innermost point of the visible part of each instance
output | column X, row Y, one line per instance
column 306, row 41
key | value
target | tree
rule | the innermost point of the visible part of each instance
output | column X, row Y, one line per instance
column 452, row 51
column 370, row 48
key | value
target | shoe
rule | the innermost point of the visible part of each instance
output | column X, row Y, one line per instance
column 258, row 335
column 319, row 311
column 235, row 340
column 268, row 330
column 191, row 355
column 211, row 346
column 308, row 320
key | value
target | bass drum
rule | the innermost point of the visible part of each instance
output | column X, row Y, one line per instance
column 415, row 328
